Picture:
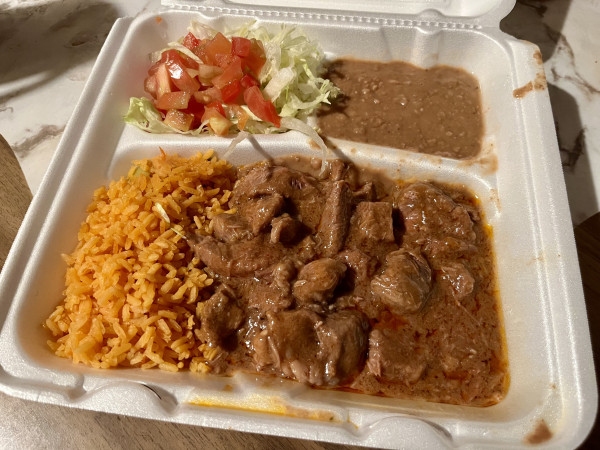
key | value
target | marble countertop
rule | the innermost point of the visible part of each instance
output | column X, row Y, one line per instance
column 568, row 35
column 44, row 74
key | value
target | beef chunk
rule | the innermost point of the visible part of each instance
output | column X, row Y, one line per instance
column 342, row 344
column 430, row 214
column 340, row 170
column 448, row 248
column 394, row 356
column 260, row 211
column 285, row 229
column 361, row 268
column 373, row 221
column 283, row 274
column 307, row 249
column 219, row 317
column 263, row 179
column 301, row 190
column 311, row 349
column 274, row 292
column 290, row 344
column 268, row 297
column 335, row 220
column 317, row 281
column 261, row 352
column 266, row 179
column 366, row 193
column 236, row 259
column 231, row 227
column 405, row 283
column 337, row 169
column 458, row 279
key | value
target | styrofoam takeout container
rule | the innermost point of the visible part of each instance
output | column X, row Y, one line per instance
column 517, row 176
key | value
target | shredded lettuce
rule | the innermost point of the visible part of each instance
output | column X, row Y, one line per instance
column 291, row 123
column 290, row 76
column 201, row 30
column 145, row 116
column 234, row 142
column 290, row 79
column 162, row 213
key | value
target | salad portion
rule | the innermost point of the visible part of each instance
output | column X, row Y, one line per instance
column 248, row 80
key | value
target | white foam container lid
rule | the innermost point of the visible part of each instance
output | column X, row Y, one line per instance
column 518, row 178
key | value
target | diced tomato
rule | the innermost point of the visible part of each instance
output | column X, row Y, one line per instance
column 196, row 109
column 209, row 95
column 181, row 78
column 163, row 79
column 241, row 115
column 199, row 51
column 224, row 60
column 179, row 58
column 240, row 46
column 179, row 120
column 151, row 85
column 232, row 72
column 262, row 108
column 189, row 62
column 231, row 91
column 154, row 67
column 217, row 121
column 190, row 41
column 206, row 73
column 173, row 100
column 175, row 56
column 218, row 44
column 248, row 81
column 256, row 59
column 217, row 106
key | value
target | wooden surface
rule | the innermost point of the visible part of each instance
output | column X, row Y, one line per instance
column 587, row 237
column 15, row 197
column 26, row 424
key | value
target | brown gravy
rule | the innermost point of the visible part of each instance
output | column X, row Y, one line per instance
column 396, row 104
column 350, row 280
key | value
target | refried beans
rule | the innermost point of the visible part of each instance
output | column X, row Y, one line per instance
column 396, row 104
column 351, row 280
